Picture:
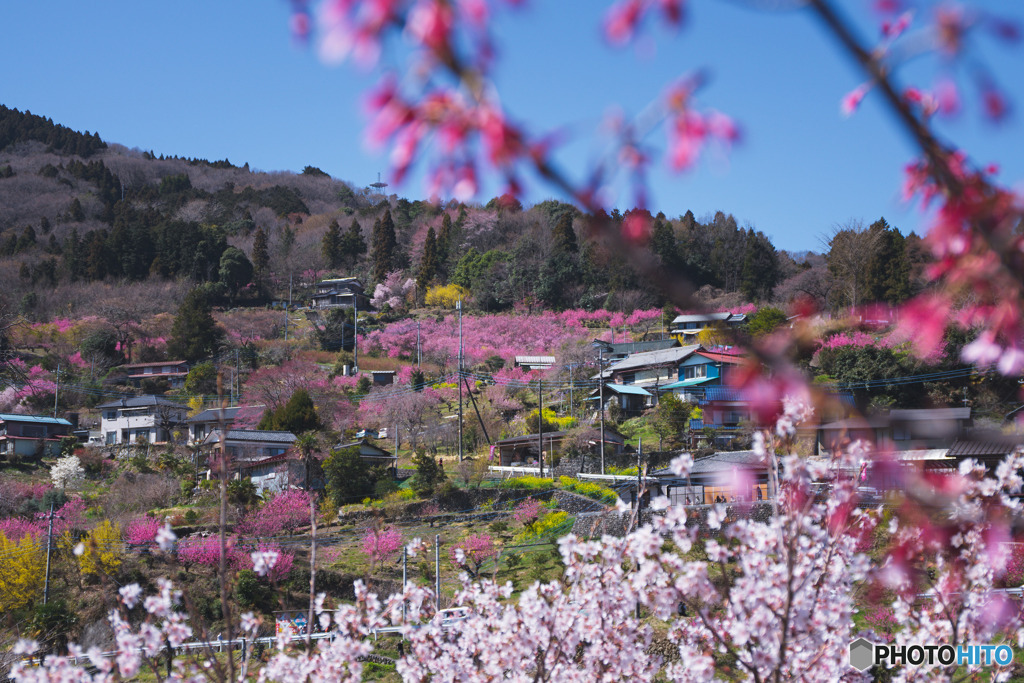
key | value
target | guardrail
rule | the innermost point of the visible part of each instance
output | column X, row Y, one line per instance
column 220, row 645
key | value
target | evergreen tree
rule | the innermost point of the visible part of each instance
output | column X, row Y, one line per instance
column 194, row 334
column 428, row 263
column 383, row 253
column 663, row 245
column 75, row 210
column 444, row 244
column 235, row 270
column 888, row 271
column 760, row 271
column 428, row 473
column 260, row 254
column 296, row 416
column 348, row 476
column 352, row 243
column 563, row 236
column 331, row 246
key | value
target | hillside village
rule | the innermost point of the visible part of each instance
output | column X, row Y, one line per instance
column 200, row 346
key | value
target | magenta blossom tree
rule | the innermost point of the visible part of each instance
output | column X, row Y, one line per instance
column 379, row 544
column 284, row 513
column 471, row 552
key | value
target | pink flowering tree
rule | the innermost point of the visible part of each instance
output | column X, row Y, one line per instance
column 284, row 513
column 394, row 292
column 527, row 511
column 380, row 544
column 471, row 552
column 142, row 530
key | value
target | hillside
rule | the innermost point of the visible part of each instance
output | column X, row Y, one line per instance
column 78, row 214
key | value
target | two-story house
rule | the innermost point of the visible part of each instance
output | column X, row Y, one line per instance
column 151, row 419
column 344, row 291
column 28, row 436
column 650, row 370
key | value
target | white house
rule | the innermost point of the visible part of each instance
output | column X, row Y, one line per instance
column 149, row 418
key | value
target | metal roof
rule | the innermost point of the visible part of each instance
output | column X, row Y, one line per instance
column 141, row 402
column 687, row 382
column 722, row 461
column 41, row 419
column 985, row 446
column 648, row 358
column 626, row 389
column 257, row 435
column 214, row 414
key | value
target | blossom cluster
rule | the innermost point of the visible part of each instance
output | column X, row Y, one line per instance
column 285, row 512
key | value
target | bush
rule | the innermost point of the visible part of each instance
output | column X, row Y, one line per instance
column 551, row 524
column 251, row 592
column 589, row 489
column 528, row 483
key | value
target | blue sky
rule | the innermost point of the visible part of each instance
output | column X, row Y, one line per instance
column 224, row 79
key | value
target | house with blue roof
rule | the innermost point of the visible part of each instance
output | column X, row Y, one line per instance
column 31, row 436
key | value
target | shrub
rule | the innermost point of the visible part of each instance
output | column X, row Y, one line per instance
column 551, row 524
column 21, row 573
column 142, row 530
column 589, row 489
column 528, row 483
column 17, row 528
column 250, row 591
column 102, row 550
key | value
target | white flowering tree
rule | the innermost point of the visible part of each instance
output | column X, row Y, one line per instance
column 67, row 472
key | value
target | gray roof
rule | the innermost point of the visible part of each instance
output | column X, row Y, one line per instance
column 723, row 461
column 256, row 435
column 141, row 402
column 642, row 346
column 675, row 354
column 215, row 414
column 368, row 446
column 985, row 446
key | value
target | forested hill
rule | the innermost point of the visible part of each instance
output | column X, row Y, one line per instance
column 80, row 218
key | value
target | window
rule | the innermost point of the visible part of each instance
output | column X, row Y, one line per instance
column 111, row 438
column 695, row 371
column 110, row 415
column 629, row 378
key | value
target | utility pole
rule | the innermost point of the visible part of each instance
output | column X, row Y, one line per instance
column 56, row 390
column 288, row 308
column 238, row 379
column 418, row 359
column 437, row 570
column 49, row 547
column 458, row 306
column 639, row 480
column 600, row 379
column 355, row 335
column 405, row 576
column 540, row 425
